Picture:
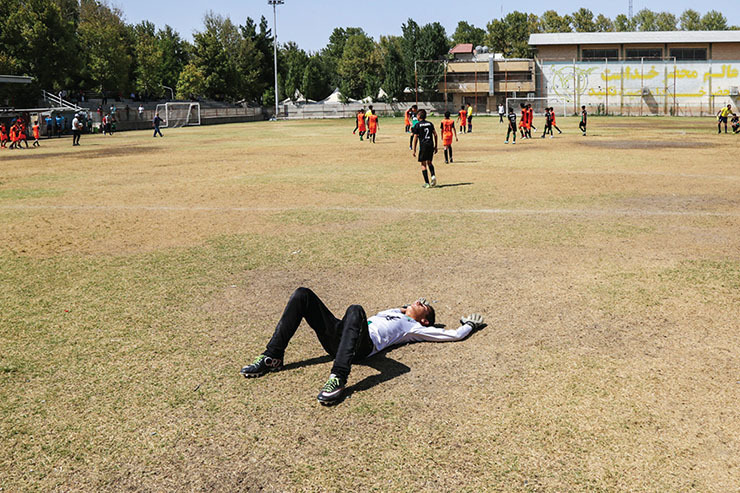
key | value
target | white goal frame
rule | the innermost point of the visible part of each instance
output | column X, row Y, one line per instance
column 172, row 114
column 559, row 104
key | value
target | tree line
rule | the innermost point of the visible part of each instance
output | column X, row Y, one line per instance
column 86, row 45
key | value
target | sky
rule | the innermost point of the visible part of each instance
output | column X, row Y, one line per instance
column 309, row 23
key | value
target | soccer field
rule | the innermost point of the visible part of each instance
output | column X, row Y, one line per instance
column 139, row 275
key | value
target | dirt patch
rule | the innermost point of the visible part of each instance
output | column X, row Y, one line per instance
column 641, row 144
column 116, row 152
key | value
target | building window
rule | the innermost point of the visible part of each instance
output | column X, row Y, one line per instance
column 689, row 53
column 600, row 54
column 646, row 53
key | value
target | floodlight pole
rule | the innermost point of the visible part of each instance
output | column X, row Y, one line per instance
column 274, row 4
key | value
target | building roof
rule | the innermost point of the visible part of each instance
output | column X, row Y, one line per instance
column 543, row 39
column 15, row 79
column 466, row 48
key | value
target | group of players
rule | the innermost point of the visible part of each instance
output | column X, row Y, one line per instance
column 367, row 122
column 424, row 135
column 17, row 134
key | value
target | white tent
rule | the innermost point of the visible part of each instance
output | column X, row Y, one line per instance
column 382, row 94
column 297, row 98
column 334, row 97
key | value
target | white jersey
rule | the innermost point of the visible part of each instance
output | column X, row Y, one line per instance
column 391, row 327
column 75, row 124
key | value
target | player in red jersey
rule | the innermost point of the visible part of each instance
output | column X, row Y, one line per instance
column 372, row 123
column 3, row 135
column 462, row 117
column 361, row 123
column 448, row 130
column 36, row 134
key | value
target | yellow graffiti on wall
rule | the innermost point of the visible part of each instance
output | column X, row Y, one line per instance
column 727, row 73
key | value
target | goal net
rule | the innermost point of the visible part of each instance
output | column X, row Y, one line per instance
column 560, row 105
column 179, row 114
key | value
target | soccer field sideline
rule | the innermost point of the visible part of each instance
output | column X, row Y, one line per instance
column 569, row 212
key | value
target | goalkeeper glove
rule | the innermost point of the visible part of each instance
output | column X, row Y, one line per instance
column 475, row 320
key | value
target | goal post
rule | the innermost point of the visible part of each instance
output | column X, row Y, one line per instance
column 179, row 114
column 560, row 105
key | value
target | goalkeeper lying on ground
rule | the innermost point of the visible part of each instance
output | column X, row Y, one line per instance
column 354, row 337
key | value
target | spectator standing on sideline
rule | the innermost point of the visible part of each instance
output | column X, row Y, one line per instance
column 141, row 111
column 49, row 126
column 76, row 130
column 501, row 113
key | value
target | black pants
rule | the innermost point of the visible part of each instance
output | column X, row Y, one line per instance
column 75, row 137
column 346, row 340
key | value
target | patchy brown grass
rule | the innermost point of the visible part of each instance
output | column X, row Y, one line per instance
column 137, row 281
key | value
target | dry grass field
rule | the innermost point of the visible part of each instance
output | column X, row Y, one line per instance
column 139, row 275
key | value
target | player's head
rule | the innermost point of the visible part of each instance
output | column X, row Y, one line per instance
column 583, row 107
column 521, row 105
column 422, row 312
column 462, row 106
column 510, row 109
column 414, row 107
column 373, row 111
column 729, row 106
column 370, row 107
column 422, row 114
column 447, row 114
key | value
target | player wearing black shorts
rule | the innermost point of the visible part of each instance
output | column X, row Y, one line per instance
column 426, row 137
column 548, row 123
column 584, row 120
column 512, row 126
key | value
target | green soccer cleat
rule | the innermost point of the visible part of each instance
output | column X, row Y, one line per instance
column 332, row 390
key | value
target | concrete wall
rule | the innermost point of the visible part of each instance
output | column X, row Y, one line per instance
column 634, row 88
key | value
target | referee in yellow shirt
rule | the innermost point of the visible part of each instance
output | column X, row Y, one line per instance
column 368, row 114
column 470, row 117
column 723, row 114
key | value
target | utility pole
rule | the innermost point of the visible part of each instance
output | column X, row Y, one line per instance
column 630, row 10
column 274, row 4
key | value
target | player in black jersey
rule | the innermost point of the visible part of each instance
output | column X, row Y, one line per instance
column 512, row 126
column 548, row 123
column 426, row 137
column 584, row 120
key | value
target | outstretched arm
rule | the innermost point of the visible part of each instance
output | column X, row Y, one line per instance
column 468, row 324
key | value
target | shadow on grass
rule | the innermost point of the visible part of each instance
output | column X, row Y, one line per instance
column 453, row 185
column 308, row 362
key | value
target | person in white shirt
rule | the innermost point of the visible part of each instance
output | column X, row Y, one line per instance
column 353, row 337
column 501, row 113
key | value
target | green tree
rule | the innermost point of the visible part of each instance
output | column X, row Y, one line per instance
column 262, row 38
column 468, row 33
column 604, row 24
column 510, row 36
column 190, row 83
column 39, row 37
column 433, row 44
column 293, row 62
column 394, row 82
column 583, row 21
column 334, row 50
column 105, row 46
column 622, row 23
column 645, row 20
column 665, row 21
column 691, row 20
column 359, row 63
column 552, row 22
column 315, row 82
column 147, row 57
column 175, row 54
column 714, row 21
